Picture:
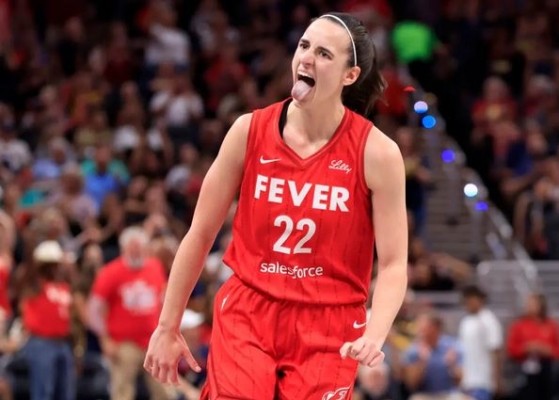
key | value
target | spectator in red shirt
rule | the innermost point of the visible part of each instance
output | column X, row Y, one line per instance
column 46, row 309
column 533, row 342
column 123, row 310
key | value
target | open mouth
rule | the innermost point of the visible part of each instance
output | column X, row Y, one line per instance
column 307, row 79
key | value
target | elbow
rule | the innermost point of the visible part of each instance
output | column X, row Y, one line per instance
column 198, row 238
column 397, row 272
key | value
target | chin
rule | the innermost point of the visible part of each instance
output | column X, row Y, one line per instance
column 306, row 102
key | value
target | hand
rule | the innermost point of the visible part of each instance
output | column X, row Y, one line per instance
column 363, row 350
column 424, row 351
column 450, row 358
column 538, row 348
column 499, row 387
column 166, row 348
column 109, row 347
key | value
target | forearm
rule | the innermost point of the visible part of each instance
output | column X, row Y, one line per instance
column 388, row 296
column 185, row 272
column 95, row 316
column 496, row 358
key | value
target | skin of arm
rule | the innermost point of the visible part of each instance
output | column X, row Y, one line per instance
column 385, row 177
column 218, row 191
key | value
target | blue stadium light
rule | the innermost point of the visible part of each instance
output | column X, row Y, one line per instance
column 428, row 121
column 448, row 156
column 420, row 107
column 482, row 206
column 470, row 190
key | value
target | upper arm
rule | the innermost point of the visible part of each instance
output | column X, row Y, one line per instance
column 494, row 333
column 385, row 177
column 222, row 181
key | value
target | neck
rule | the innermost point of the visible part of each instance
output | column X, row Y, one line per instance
column 433, row 342
column 317, row 123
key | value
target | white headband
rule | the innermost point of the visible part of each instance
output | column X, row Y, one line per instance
column 348, row 32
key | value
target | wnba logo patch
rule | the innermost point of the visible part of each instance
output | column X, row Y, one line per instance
column 339, row 394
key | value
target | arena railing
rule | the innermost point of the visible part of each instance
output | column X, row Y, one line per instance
column 465, row 189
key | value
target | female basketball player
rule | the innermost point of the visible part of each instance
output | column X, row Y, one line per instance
column 315, row 177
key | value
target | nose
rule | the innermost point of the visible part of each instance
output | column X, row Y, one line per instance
column 307, row 58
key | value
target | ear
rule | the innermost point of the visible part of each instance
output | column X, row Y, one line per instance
column 351, row 75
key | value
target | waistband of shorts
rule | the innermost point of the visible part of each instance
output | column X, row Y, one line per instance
column 269, row 297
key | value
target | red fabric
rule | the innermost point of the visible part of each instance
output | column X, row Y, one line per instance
column 5, row 306
column 134, row 298
column 47, row 314
column 255, row 336
column 527, row 330
column 394, row 101
column 483, row 111
column 5, row 21
column 303, row 228
column 380, row 6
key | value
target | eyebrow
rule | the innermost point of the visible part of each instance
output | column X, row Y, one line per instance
column 306, row 41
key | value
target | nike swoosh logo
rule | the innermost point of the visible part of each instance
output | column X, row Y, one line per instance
column 264, row 161
column 359, row 326
column 223, row 302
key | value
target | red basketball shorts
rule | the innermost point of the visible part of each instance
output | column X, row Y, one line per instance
column 266, row 349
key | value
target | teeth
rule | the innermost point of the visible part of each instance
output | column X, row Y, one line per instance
column 305, row 75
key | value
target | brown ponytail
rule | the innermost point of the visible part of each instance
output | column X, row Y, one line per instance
column 362, row 94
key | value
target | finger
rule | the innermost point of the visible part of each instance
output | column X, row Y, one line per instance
column 377, row 359
column 370, row 357
column 345, row 349
column 357, row 348
column 364, row 354
column 174, row 376
column 162, row 373
column 155, row 370
column 191, row 361
column 148, row 362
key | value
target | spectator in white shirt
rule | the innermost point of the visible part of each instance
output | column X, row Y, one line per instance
column 481, row 337
column 167, row 43
column 179, row 106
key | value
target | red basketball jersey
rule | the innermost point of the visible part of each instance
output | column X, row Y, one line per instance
column 303, row 227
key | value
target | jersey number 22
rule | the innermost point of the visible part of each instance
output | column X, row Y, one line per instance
column 304, row 224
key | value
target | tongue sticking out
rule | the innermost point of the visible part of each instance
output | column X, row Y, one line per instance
column 300, row 90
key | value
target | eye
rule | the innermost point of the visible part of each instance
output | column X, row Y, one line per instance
column 322, row 53
column 303, row 45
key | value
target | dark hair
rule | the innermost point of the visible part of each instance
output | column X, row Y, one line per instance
column 474, row 291
column 34, row 272
column 361, row 95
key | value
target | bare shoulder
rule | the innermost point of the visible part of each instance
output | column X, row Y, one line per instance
column 380, row 148
column 241, row 126
column 234, row 144
column 383, row 160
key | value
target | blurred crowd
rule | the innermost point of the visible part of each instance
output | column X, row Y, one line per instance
column 111, row 112
column 494, row 66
